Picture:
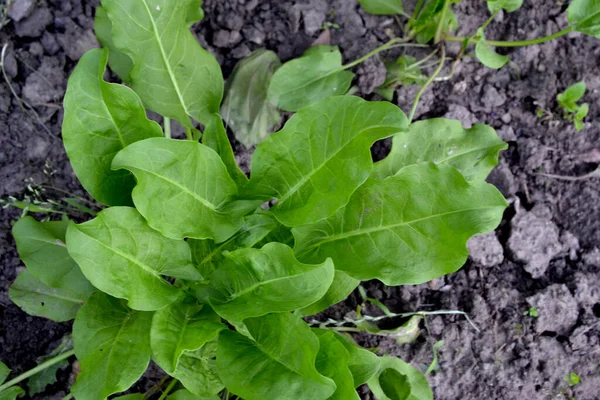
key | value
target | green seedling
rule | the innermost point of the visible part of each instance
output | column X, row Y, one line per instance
column 184, row 266
column 532, row 312
column 572, row 379
column 568, row 101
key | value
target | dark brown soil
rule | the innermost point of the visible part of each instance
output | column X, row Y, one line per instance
column 546, row 254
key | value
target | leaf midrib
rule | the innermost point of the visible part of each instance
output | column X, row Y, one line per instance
column 54, row 295
column 358, row 232
column 164, row 57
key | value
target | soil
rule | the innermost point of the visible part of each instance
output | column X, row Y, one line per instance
column 545, row 254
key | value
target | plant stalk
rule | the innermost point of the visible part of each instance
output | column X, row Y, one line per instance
column 167, row 124
column 188, row 134
column 519, row 43
column 370, row 54
column 37, row 369
column 424, row 87
column 440, row 27
column 168, row 389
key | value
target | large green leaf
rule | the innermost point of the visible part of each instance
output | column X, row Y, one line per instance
column 183, row 188
column 172, row 74
column 12, row 393
column 584, row 15
column 322, row 155
column 407, row 229
column 207, row 255
column 40, row 300
column 397, row 380
column 122, row 256
column 382, row 7
column 216, row 138
column 332, row 362
column 197, row 371
column 245, row 108
column 509, row 5
column 303, row 81
column 343, row 284
column 112, row 344
column 100, row 119
column 182, row 325
column 278, row 362
column 119, row 62
column 255, row 282
column 41, row 246
column 474, row 151
column 362, row 363
column 187, row 395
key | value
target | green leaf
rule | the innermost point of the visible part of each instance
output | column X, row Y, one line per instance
column 395, row 377
column 507, row 5
column 245, row 108
column 38, row 382
column 474, row 152
column 4, row 372
column 382, row 7
column 322, row 155
column 207, row 255
column 112, row 344
column 173, row 75
column 278, row 362
column 57, row 304
column 133, row 396
column 304, row 81
column 569, row 98
column 216, row 138
column 11, row 393
column 197, row 371
column 332, row 362
column 119, row 62
column 186, row 395
column 122, row 256
column 100, row 119
column 182, row 188
column 584, row 15
column 488, row 56
column 362, row 363
column 41, row 246
column 343, row 284
column 407, row 229
column 429, row 19
column 253, row 282
column 183, row 325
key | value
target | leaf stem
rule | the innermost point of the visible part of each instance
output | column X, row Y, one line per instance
column 440, row 27
column 518, row 43
column 37, row 369
column 68, row 397
column 167, row 124
column 370, row 54
column 426, row 84
column 489, row 20
column 188, row 134
column 168, row 389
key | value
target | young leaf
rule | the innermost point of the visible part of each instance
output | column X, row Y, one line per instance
column 100, row 119
column 322, row 155
column 426, row 24
column 173, row 75
column 41, row 246
column 207, row 255
column 407, row 229
column 122, row 256
column 332, row 362
column 182, row 325
column 216, row 138
column 119, row 62
column 277, row 362
column 488, row 56
column 304, row 81
column 382, row 7
column 187, row 395
column 343, row 284
column 35, row 298
column 197, row 371
column 362, row 363
column 584, row 15
column 398, row 380
column 508, row 5
column 112, row 344
column 253, row 282
column 11, row 393
column 182, row 188
column 38, row 382
column 569, row 98
column 245, row 108
column 474, row 151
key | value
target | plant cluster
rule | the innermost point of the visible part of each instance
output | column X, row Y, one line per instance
column 209, row 273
